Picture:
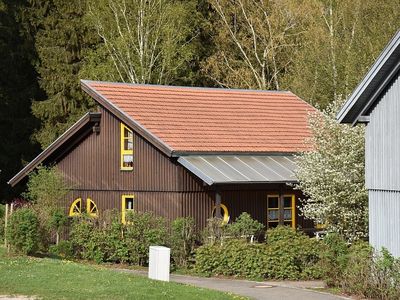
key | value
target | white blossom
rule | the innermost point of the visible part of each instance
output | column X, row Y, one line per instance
column 332, row 176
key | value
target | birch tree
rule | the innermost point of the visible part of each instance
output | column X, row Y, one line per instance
column 144, row 41
column 255, row 41
column 337, row 51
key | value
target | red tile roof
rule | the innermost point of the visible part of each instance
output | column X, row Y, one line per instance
column 211, row 119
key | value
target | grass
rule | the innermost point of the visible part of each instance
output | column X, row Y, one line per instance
column 60, row 279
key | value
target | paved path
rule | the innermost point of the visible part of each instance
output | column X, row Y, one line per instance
column 268, row 290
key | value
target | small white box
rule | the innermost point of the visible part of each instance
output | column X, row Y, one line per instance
column 159, row 263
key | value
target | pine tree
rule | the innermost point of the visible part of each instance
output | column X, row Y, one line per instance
column 18, row 86
column 61, row 40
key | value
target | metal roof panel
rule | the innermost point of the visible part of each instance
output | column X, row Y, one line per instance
column 215, row 169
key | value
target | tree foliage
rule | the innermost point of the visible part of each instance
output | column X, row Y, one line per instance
column 255, row 41
column 332, row 176
column 143, row 41
column 18, row 85
column 345, row 39
column 62, row 39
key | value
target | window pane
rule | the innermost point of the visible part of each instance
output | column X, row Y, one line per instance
column 287, row 214
column 127, row 160
column 128, row 144
column 127, row 133
column 77, row 208
column 273, row 224
column 287, row 201
column 128, row 203
column 273, row 202
column 273, row 215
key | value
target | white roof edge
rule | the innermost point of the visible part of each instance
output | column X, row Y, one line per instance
column 371, row 74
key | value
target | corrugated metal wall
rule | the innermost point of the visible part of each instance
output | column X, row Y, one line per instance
column 384, row 224
column 382, row 164
column 383, row 142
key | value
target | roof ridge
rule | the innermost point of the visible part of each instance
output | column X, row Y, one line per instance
column 163, row 86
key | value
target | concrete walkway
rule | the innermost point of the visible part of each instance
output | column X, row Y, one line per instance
column 268, row 290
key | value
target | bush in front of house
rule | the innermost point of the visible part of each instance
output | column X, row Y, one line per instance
column 183, row 240
column 245, row 227
column 141, row 231
column 63, row 249
column 359, row 270
column 287, row 254
column 23, row 231
column 108, row 240
column 290, row 254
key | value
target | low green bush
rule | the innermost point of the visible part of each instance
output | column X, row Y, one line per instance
column 142, row 231
column 63, row 249
column 233, row 258
column 288, row 254
column 371, row 275
column 23, row 231
column 183, row 240
column 110, row 241
column 334, row 258
column 245, row 227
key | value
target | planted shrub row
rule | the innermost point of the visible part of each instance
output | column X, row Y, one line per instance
column 287, row 254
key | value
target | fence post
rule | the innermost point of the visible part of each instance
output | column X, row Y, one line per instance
column 5, row 226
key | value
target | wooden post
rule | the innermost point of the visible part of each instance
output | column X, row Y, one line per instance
column 218, row 205
column 9, row 215
column 5, row 226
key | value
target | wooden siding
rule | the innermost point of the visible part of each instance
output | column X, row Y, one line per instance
column 158, row 183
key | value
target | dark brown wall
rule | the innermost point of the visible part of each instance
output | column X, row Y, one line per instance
column 158, row 182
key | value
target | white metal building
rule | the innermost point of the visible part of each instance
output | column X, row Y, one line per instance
column 376, row 102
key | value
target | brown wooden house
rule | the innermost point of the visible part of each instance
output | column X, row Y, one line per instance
column 182, row 151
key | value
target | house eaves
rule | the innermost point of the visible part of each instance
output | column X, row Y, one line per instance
column 364, row 97
column 61, row 145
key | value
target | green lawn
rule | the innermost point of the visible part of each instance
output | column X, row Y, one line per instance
column 59, row 279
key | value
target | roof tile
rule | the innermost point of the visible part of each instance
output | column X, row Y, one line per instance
column 213, row 120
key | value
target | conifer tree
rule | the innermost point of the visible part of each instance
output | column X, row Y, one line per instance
column 61, row 40
column 18, row 86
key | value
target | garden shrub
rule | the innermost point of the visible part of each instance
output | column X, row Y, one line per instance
column 46, row 188
column 371, row 275
column 23, row 231
column 286, row 255
column 245, row 227
column 290, row 254
column 63, row 249
column 142, row 230
column 215, row 231
column 232, row 258
column 334, row 258
column 107, row 240
column 183, row 240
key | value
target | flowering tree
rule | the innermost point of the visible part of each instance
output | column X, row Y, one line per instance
column 332, row 176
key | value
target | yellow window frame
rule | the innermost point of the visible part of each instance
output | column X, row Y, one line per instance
column 274, row 208
column 122, row 148
column 91, row 212
column 73, row 205
column 293, row 208
column 123, row 206
column 226, row 217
